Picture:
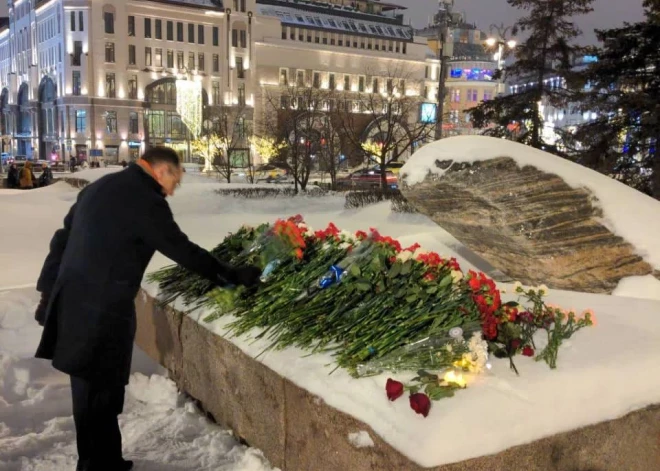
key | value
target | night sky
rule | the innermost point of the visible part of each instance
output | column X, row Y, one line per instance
column 606, row 14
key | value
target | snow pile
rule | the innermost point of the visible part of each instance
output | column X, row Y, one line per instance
column 627, row 212
column 161, row 430
column 360, row 439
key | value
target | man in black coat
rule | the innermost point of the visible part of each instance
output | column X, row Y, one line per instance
column 89, row 282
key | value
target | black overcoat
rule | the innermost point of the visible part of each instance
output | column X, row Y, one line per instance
column 94, row 270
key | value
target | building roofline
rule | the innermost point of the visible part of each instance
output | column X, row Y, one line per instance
column 331, row 9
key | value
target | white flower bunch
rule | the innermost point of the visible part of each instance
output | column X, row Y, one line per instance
column 477, row 357
column 404, row 256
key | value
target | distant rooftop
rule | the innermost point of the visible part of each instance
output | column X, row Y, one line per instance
column 332, row 19
column 378, row 11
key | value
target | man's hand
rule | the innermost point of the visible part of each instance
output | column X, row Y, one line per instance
column 247, row 276
column 40, row 313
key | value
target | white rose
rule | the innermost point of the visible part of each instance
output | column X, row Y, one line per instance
column 456, row 276
column 404, row 256
column 518, row 287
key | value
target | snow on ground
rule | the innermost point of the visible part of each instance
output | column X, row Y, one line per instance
column 497, row 411
column 627, row 212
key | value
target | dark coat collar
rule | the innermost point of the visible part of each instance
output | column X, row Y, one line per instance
column 148, row 179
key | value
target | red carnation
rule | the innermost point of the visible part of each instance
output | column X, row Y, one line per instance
column 420, row 403
column 394, row 389
column 515, row 344
column 475, row 284
column 528, row 351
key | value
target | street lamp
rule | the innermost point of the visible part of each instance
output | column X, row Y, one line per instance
column 445, row 52
column 499, row 40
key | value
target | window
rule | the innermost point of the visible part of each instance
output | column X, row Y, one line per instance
column 300, row 78
column 488, row 95
column 284, row 77
column 81, row 121
column 316, row 80
column 109, row 52
column 179, row 31
column 216, row 93
column 284, row 102
column 158, row 57
column 179, row 59
column 191, row 33
column 170, row 59
column 73, row 21
column 80, row 21
column 216, row 63
column 147, row 56
column 131, row 26
column 200, row 61
column 170, row 31
column 332, row 83
column 131, row 54
column 133, row 122
column 76, row 83
column 347, row 82
column 243, row 37
column 109, row 20
column 159, row 29
column 110, row 85
column 284, row 32
column 132, row 87
column 243, row 6
column 240, row 70
column 200, row 34
column 241, row 94
column 147, row 27
column 317, row 37
column 234, row 38
column 77, row 53
column 472, row 95
column 375, row 86
column 191, row 60
column 456, row 95
column 111, row 122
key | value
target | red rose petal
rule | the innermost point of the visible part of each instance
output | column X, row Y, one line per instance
column 420, row 403
column 394, row 389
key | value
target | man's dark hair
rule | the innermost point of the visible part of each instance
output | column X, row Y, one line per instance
column 162, row 155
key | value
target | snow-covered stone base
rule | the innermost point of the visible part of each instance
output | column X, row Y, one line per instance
column 298, row 431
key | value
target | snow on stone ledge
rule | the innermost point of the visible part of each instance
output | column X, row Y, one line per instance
column 627, row 212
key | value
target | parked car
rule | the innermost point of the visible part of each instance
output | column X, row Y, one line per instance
column 368, row 178
column 269, row 173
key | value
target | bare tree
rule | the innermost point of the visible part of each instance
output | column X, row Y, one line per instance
column 296, row 116
column 229, row 130
column 383, row 121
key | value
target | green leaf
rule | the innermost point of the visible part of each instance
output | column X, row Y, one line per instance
column 446, row 281
column 363, row 286
column 435, row 392
column 432, row 290
column 395, row 270
column 406, row 267
column 411, row 298
column 354, row 270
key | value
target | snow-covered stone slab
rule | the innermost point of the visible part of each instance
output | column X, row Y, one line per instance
column 536, row 217
column 300, row 431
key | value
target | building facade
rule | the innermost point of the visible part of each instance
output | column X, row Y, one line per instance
column 100, row 78
column 469, row 79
